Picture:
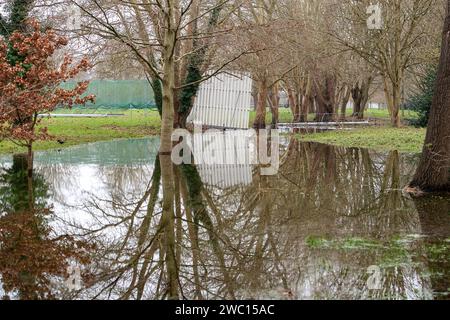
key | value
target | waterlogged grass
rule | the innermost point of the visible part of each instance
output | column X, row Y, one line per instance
column 439, row 251
column 134, row 124
column 392, row 253
column 405, row 139
column 317, row 242
column 141, row 123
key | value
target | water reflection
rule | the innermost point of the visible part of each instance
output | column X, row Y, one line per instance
column 310, row 232
column 32, row 257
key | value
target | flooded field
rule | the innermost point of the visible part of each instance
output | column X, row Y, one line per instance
column 332, row 224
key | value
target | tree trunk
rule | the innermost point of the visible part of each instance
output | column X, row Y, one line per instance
column 364, row 100
column 255, row 95
column 30, row 161
column 392, row 93
column 360, row 95
column 260, row 119
column 293, row 104
column 306, row 101
column 357, row 97
column 433, row 171
column 274, row 105
column 165, row 150
column 345, row 99
column 304, row 108
column 325, row 94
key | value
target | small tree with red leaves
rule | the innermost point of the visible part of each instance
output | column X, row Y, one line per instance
column 30, row 84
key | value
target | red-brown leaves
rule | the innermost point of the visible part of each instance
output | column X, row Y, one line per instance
column 32, row 86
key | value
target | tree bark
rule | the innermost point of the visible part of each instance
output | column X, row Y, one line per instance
column 345, row 99
column 274, row 104
column 325, row 94
column 433, row 171
column 392, row 93
column 293, row 104
column 30, row 161
column 360, row 95
column 165, row 150
column 260, row 119
column 306, row 101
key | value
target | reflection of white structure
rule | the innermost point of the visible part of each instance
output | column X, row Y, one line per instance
column 225, row 158
column 223, row 101
column 226, row 175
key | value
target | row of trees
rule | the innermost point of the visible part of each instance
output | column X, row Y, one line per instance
column 175, row 42
column 321, row 53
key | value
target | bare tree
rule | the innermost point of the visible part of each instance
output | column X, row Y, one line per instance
column 390, row 50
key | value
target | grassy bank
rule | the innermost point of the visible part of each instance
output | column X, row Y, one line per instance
column 405, row 139
column 140, row 123
column 83, row 130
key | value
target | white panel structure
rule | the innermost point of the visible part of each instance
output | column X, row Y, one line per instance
column 223, row 101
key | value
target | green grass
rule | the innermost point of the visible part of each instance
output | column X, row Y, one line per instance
column 135, row 124
column 285, row 115
column 405, row 139
column 140, row 123
column 384, row 114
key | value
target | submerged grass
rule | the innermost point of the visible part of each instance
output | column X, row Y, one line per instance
column 353, row 243
column 397, row 251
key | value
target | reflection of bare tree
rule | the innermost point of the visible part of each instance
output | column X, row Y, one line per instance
column 124, row 177
column 311, row 231
column 59, row 177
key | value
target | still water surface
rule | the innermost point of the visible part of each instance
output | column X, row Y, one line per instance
column 333, row 223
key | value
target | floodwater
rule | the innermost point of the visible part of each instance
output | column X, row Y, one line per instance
column 332, row 224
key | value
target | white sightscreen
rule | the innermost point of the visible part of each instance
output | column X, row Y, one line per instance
column 223, row 101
